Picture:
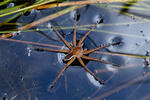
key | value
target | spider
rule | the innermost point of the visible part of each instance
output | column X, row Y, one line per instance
column 76, row 51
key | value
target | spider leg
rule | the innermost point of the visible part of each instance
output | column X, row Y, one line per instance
column 123, row 54
column 102, row 61
column 82, row 63
column 65, row 67
column 68, row 56
column 52, row 50
column 58, row 34
column 29, row 42
column 74, row 33
column 100, row 47
column 83, row 38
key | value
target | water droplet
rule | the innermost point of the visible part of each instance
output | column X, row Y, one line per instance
column 49, row 25
column 146, row 60
column 16, row 33
column 29, row 50
column 4, row 97
column 141, row 31
column 21, row 78
column 72, row 14
column 37, row 29
column 98, row 19
column 11, row 5
column 118, row 40
column 76, row 16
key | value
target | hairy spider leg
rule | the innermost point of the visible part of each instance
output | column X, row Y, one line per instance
column 74, row 33
column 102, row 61
column 65, row 67
column 29, row 42
column 68, row 56
column 58, row 34
column 123, row 54
column 83, row 38
column 100, row 47
column 52, row 50
column 82, row 63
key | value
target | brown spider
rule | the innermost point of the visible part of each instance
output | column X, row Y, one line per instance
column 76, row 51
column 73, row 52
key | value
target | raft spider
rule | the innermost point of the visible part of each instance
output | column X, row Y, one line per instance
column 76, row 51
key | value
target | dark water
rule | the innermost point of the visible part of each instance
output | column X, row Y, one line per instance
column 26, row 74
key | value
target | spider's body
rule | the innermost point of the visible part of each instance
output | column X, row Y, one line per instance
column 76, row 51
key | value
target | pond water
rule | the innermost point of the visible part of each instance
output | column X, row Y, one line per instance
column 26, row 74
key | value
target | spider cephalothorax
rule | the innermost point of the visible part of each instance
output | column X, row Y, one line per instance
column 74, row 52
